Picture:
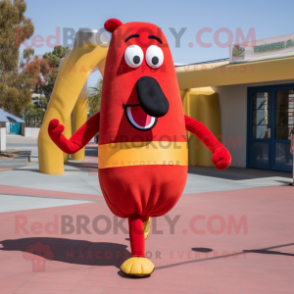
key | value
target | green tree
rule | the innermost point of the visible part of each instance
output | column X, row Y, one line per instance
column 43, row 104
column 35, row 112
column 53, row 59
column 15, row 83
column 94, row 98
column 45, row 69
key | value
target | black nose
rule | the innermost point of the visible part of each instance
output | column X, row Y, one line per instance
column 151, row 97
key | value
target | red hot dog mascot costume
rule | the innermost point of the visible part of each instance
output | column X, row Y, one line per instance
column 143, row 156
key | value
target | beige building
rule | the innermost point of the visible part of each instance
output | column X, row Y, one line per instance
column 247, row 101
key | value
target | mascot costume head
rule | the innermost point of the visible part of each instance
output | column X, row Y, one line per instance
column 142, row 155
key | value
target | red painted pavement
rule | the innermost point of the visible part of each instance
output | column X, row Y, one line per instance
column 46, row 193
column 222, row 266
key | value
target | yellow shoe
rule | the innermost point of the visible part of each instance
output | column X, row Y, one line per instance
column 137, row 266
column 146, row 226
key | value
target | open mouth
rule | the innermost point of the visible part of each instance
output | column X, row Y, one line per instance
column 138, row 118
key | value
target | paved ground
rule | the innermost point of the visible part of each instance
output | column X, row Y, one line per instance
column 232, row 233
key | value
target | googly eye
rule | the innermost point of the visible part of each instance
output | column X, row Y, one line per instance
column 154, row 56
column 134, row 56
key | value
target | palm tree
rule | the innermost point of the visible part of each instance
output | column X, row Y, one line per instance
column 94, row 98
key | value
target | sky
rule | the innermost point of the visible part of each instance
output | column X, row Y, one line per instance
column 218, row 23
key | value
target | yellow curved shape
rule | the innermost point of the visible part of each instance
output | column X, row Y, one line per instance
column 70, row 81
column 202, row 104
column 142, row 153
column 183, row 93
column 80, row 112
column 67, row 133
column 79, row 118
column 146, row 226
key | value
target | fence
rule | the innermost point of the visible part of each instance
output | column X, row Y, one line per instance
column 33, row 121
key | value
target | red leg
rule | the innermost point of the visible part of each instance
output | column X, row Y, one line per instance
column 136, row 232
column 137, row 265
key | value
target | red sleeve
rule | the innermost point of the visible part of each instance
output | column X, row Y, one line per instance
column 79, row 139
column 203, row 133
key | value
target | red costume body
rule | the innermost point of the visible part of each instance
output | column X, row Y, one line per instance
column 131, row 85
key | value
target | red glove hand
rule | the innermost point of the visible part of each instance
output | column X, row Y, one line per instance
column 55, row 130
column 221, row 158
column 55, row 133
column 79, row 139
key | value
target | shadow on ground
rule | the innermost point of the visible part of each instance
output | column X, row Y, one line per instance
column 234, row 173
column 73, row 251
column 103, row 253
column 262, row 251
column 206, row 250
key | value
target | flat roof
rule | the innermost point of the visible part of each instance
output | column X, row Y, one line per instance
column 221, row 72
column 202, row 62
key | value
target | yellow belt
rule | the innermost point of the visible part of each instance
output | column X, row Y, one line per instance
column 142, row 153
